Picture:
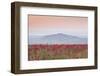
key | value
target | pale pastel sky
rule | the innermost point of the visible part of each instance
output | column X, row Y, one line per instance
column 45, row 25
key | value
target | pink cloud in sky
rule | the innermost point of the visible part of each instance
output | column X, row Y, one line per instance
column 53, row 24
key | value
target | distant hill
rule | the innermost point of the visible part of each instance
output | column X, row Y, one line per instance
column 58, row 38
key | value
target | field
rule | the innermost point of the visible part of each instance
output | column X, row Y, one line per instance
column 51, row 52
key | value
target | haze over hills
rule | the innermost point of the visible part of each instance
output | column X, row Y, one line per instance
column 58, row 38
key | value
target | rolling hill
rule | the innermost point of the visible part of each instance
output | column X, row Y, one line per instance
column 58, row 38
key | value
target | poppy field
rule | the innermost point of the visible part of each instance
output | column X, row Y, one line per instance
column 51, row 52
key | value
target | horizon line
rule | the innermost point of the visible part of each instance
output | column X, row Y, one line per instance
column 56, row 34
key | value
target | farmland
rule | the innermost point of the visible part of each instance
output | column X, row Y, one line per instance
column 51, row 52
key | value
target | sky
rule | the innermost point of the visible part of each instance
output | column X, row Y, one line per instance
column 46, row 25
